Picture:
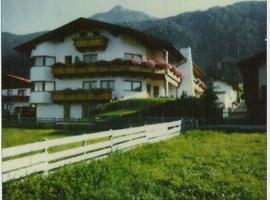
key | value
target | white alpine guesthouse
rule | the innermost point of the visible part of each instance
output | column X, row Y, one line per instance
column 88, row 62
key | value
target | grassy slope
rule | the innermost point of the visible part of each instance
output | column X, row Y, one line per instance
column 198, row 165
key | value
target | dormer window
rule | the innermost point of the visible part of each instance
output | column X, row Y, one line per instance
column 83, row 34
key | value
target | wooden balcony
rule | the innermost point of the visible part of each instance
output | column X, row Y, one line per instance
column 15, row 98
column 111, row 69
column 98, row 95
column 93, row 43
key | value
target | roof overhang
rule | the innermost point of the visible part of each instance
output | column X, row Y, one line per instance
column 89, row 24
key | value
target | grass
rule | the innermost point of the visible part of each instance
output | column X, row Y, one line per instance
column 19, row 136
column 197, row 165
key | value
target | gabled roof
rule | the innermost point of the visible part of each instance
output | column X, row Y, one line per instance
column 199, row 72
column 10, row 81
column 89, row 24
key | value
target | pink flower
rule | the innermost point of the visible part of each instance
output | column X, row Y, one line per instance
column 135, row 62
column 149, row 63
column 162, row 65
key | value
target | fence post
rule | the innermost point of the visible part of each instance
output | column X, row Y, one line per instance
column 146, row 133
column 46, row 164
column 111, row 139
column 84, row 143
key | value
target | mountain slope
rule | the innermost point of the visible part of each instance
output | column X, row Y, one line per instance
column 218, row 37
column 13, row 61
column 119, row 14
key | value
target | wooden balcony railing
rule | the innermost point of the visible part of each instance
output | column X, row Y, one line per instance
column 98, row 95
column 16, row 98
column 92, row 43
column 109, row 68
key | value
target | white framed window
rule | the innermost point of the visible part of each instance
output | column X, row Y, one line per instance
column 89, row 85
column 21, row 92
column 38, row 87
column 135, row 86
column 9, row 92
column 90, row 58
column 44, row 60
column 44, row 86
column 49, row 86
column 133, row 56
column 107, row 84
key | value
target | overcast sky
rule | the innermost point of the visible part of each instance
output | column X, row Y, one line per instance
column 28, row 16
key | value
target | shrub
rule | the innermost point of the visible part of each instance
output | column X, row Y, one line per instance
column 149, row 64
column 162, row 65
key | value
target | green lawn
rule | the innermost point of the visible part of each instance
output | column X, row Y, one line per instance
column 19, row 136
column 197, row 165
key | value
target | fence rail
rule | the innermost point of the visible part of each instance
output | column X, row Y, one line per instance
column 20, row 161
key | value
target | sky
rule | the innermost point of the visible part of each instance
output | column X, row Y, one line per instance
column 28, row 16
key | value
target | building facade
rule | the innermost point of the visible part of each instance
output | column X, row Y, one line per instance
column 226, row 94
column 15, row 94
column 193, row 83
column 253, row 70
column 87, row 62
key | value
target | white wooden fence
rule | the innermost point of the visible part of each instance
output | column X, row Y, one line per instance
column 20, row 161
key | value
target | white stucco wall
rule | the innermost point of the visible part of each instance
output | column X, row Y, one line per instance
column 187, row 84
column 228, row 96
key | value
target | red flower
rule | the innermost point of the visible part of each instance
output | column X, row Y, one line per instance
column 162, row 65
column 149, row 63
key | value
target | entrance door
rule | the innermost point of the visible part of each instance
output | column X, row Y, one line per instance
column 66, row 111
column 156, row 91
column 148, row 87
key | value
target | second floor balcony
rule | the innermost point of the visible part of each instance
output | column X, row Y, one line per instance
column 116, row 67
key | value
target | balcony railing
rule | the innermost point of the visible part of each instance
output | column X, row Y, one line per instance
column 93, row 43
column 110, row 68
column 15, row 98
column 98, row 95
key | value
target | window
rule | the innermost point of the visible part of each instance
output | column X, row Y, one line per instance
column 9, row 107
column 38, row 87
column 107, row 84
column 21, row 92
column 89, row 85
column 68, row 59
column 44, row 86
column 132, row 56
column 90, row 58
column 156, row 91
column 49, row 86
column 133, row 86
column 9, row 92
column 96, row 33
column 44, row 60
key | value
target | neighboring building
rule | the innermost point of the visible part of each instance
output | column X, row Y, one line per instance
column 253, row 70
column 193, row 83
column 15, row 93
column 87, row 62
column 226, row 94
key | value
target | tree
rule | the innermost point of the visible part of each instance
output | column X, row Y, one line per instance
column 209, row 108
